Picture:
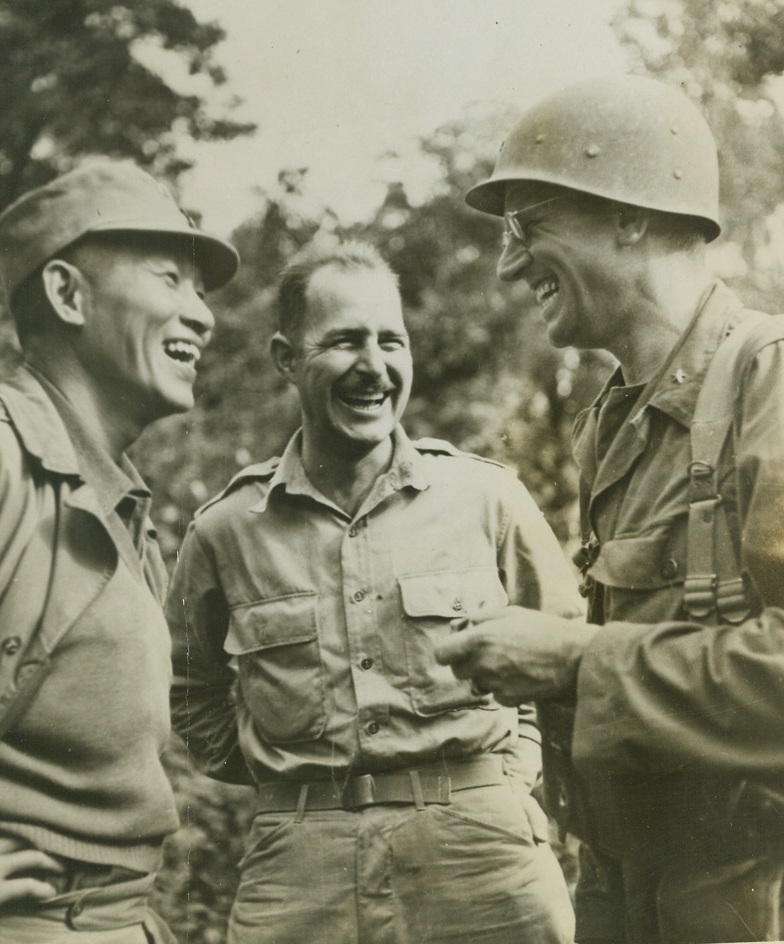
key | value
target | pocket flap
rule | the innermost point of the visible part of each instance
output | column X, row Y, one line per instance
column 452, row 593
column 281, row 621
column 643, row 562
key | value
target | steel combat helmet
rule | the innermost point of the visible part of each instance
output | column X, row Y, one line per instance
column 631, row 139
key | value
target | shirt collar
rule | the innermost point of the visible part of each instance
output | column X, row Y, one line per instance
column 675, row 391
column 71, row 448
column 38, row 423
column 408, row 469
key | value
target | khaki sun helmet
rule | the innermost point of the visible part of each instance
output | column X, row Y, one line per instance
column 631, row 139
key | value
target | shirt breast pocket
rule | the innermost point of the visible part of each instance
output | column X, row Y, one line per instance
column 643, row 573
column 281, row 676
column 429, row 602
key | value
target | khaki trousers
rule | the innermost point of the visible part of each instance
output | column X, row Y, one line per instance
column 470, row 872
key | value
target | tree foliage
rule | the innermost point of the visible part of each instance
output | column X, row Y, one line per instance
column 77, row 79
column 729, row 56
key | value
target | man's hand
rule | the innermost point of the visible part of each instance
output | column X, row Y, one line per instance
column 517, row 654
column 13, row 861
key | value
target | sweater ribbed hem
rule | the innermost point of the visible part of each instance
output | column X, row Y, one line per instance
column 139, row 857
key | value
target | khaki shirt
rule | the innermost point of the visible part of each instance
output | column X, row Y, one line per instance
column 331, row 619
column 657, row 692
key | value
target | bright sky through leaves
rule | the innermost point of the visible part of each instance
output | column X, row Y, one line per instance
column 335, row 83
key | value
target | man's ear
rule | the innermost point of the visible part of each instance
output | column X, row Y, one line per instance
column 64, row 287
column 283, row 355
column 631, row 223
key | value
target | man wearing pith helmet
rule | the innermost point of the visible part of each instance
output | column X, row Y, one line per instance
column 105, row 278
column 661, row 715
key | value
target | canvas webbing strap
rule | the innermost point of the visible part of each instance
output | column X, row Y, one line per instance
column 714, row 581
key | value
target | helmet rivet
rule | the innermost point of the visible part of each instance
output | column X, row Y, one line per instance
column 677, row 173
column 539, row 138
column 592, row 150
column 674, row 129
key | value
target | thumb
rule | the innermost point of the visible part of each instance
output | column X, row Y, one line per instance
column 454, row 647
column 484, row 616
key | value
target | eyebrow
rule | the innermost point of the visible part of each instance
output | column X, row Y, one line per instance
column 363, row 333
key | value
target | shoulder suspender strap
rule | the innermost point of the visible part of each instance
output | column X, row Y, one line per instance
column 714, row 580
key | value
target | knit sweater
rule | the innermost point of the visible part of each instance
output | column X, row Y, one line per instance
column 80, row 770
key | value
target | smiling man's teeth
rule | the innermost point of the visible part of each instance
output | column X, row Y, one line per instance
column 546, row 289
column 364, row 402
column 184, row 351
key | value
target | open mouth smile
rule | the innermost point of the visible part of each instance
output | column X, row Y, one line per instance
column 365, row 401
column 184, row 352
column 545, row 290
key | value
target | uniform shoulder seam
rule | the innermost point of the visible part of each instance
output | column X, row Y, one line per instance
column 258, row 472
column 442, row 447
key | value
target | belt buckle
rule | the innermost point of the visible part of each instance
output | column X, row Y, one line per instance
column 359, row 791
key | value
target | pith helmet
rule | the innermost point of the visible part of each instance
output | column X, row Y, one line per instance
column 102, row 196
column 630, row 139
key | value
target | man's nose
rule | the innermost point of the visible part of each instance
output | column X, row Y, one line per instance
column 515, row 259
column 371, row 358
column 198, row 315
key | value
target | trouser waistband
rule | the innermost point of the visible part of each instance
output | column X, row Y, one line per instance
column 418, row 786
column 97, row 909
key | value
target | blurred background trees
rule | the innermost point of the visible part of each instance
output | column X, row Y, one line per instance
column 80, row 78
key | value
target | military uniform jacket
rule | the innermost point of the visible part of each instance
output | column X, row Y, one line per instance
column 661, row 697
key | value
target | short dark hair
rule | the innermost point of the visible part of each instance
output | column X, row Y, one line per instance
column 30, row 306
column 350, row 256
column 679, row 232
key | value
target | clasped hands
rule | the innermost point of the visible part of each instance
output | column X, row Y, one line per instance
column 518, row 654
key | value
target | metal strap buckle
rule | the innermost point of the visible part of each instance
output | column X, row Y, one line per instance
column 732, row 600
column 703, row 486
column 699, row 595
column 359, row 791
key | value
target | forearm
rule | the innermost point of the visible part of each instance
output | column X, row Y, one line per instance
column 203, row 705
column 204, row 714
column 656, row 698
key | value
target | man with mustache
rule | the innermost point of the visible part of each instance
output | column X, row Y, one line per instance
column 609, row 190
column 393, row 802
column 105, row 277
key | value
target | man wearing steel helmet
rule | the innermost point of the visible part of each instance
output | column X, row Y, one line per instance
column 105, row 278
column 610, row 193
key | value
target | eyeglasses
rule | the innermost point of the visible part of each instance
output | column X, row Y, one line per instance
column 518, row 228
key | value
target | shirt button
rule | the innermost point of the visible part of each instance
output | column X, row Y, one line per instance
column 359, row 596
column 11, row 645
column 366, row 663
column 457, row 604
column 669, row 569
column 353, row 531
column 373, row 727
